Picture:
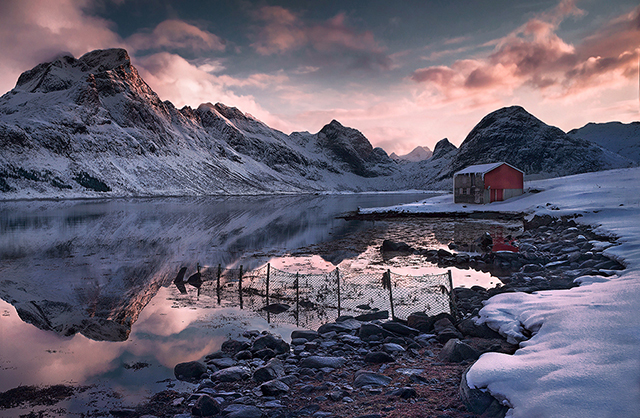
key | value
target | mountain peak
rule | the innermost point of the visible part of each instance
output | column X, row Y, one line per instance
column 105, row 59
column 442, row 148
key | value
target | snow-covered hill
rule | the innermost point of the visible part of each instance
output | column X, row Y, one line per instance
column 418, row 154
column 621, row 138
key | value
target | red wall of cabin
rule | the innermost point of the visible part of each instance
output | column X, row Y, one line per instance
column 504, row 177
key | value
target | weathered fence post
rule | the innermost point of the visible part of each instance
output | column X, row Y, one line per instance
column 338, row 282
column 267, row 293
column 452, row 300
column 297, row 299
column 240, row 287
column 389, row 285
column 218, row 282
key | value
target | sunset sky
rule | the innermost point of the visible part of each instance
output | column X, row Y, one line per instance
column 404, row 73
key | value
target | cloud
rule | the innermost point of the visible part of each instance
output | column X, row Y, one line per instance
column 175, row 34
column 283, row 31
column 33, row 31
column 535, row 56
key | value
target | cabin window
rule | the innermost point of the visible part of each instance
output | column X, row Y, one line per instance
column 468, row 190
column 461, row 190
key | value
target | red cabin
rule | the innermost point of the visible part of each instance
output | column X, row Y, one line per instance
column 487, row 183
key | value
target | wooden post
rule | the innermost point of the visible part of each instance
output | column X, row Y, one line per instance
column 267, row 293
column 240, row 288
column 338, row 282
column 218, row 282
column 297, row 299
column 393, row 314
column 452, row 298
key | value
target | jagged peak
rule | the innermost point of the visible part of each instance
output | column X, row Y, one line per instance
column 105, row 59
column 442, row 148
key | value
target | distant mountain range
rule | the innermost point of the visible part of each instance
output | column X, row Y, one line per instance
column 93, row 127
column 621, row 138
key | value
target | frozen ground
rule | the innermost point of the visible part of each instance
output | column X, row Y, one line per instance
column 583, row 358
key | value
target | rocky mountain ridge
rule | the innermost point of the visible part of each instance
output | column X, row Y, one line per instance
column 91, row 127
column 621, row 138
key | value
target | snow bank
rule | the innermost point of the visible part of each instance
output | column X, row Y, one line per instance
column 583, row 358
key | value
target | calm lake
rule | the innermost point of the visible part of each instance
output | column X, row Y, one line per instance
column 86, row 293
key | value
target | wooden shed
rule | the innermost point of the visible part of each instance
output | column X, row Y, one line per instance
column 487, row 183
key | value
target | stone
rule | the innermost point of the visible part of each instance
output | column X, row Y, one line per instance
column 377, row 357
column 455, row 351
column 469, row 327
column 388, row 245
column 273, row 342
column 364, row 378
column 243, row 355
column 233, row 346
column 319, row 362
column 392, row 348
column 223, row 363
column 337, row 327
column 400, row 329
column 444, row 330
column 480, row 402
column 191, row 370
column 231, row 374
column 242, row 411
column 272, row 370
column 264, row 354
column 367, row 330
column 404, row 393
column 205, row 406
column 274, row 388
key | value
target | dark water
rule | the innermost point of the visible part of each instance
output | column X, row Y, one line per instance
column 84, row 285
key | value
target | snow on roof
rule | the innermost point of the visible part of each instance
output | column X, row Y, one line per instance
column 483, row 168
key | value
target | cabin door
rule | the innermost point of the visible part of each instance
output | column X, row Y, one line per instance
column 497, row 195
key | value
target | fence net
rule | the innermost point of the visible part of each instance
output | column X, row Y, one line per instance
column 309, row 300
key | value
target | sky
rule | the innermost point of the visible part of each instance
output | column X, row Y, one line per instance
column 404, row 73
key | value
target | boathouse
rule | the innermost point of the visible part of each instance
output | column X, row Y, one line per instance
column 487, row 183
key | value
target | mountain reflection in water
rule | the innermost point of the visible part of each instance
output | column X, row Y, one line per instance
column 90, row 267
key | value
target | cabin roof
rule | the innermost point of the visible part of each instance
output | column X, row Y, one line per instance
column 484, row 168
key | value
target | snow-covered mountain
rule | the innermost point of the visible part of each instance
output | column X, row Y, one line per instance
column 418, row 154
column 92, row 126
column 621, row 138
column 513, row 135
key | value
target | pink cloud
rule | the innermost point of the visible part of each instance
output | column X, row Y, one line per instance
column 176, row 34
column 283, row 31
column 536, row 56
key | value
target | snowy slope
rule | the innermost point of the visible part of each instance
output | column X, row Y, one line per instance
column 621, row 138
column 584, row 356
column 418, row 154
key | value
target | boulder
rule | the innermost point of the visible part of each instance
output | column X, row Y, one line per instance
column 319, row 362
column 242, row 411
column 234, row 346
column 372, row 316
column 231, row 374
column 271, row 341
column 191, row 370
column 307, row 334
column 364, row 378
column 272, row 370
column 223, row 363
column 455, row 351
column 377, row 357
column 335, row 327
column 205, row 406
column 469, row 327
column 388, row 245
column 400, row 329
column 480, row 402
column 367, row 330
column 274, row 388
column 445, row 330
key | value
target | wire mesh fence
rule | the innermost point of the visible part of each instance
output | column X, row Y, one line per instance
column 308, row 300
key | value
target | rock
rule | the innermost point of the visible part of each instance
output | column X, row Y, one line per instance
column 531, row 268
column 388, row 245
column 223, row 363
column 273, row 342
column 455, row 351
column 479, row 402
column 469, row 327
column 404, row 393
column 445, row 330
column 377, row 357
column 400, row 329
column 319, row 362
column 264, row 354
column 243, row 355
column 205, row 406
column 335, row 327
column 367, row 330
column 191, row 370
column 276, row 308
column 372, row 316
column 233, row 346
column 272, row 370
column 393, row 348
column 274, row 388
column 231, row 374
column 364, row 378
column 306, row 334
column 242, row 411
